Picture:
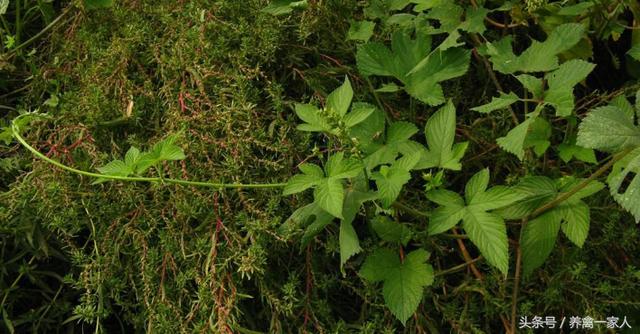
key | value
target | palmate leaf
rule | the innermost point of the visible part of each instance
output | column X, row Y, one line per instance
column 540, row 56
column 328, row 189
column 401, row 60
column 485, row 229
column 403, row 282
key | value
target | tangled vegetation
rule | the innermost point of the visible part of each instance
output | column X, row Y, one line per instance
column 319, row 166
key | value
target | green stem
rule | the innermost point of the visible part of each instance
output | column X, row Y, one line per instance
column 23, row 142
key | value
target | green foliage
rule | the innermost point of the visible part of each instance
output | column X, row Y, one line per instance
column 403, row 279
column 402, row 60
column 485, row 229
column 232, row 83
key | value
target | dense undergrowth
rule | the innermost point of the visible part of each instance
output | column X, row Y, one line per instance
column 229, row 83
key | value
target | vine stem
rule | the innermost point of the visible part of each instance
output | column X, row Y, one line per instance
column 542, row 209
column 38, row 154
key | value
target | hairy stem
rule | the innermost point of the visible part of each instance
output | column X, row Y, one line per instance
column 38, row 154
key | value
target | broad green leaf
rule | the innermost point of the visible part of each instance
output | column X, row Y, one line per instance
column 535, row 192
column 477, row 184
column 389, row 182
column 497, row 103
column 568, row 151
column 309, row 217
column 390, row 231
column 538, row 239
column 513, row 142
column 340, row 99
column 403, row 281
column 375, row 59
column 608, row 129
column 576, row 221
column 561, row 83
column 116, row 168
column 311, row 170
column 369, row 132
column 300, row 182
column 445, row 218
column 532, row 84
column 401, row 62
column 339, row 168
column 489, row 233
column 440, row 134
column 403, row 287
column 485, row 229
column 360, row 31
column 349, row 243
column 132, row 157
column 445, row 197
column 314, row 119
column 378, row 266
column 397, row 141
column 359, row 113
column 540, row 56
column 627, row 170
column 329, row 194
column 538, row 136
column 164, row 150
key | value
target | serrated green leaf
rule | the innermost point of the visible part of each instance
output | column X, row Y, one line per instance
column 422, row 82
column 440, row 134
column 608, row 129
column 349, row 243
column 540, row 56
column 116, row 168
column 486, row 230
column 403, row 287
column 359, row 113
column 538, row 239
column 389, row 182
column 568, row 151
column 329, row 194
column 378, row 266
column 390, row 231
column 627, row 169
column 403, row 281
column 340, row 99
column 535, row 192
column 311, row 170
column 313, row 118
column 538, row 136
column 299, row 183
column 576, row 221
column 477, row 184
column 497, row 103
column 132, row 157
column 389, row 88
column 445, row 218
column 360, row 31
column 561, row 83
column 489, row 233
column 513, row 142
column 532, row 84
